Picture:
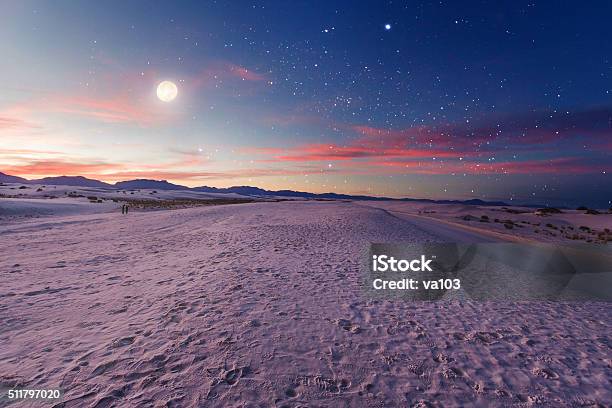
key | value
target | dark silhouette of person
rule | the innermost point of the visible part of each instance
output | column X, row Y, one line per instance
column 122, row 208
column 127, row 207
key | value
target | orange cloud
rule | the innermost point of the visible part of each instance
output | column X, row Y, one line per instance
column 58, row 167
column 334, row 152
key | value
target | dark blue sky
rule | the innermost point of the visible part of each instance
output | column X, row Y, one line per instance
column 495, row 100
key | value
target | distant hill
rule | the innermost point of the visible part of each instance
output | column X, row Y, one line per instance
column 5, row 178
column 244, row 190
column 259, row 192
column 474, row 201
column 78, row 181
column 148, row 184
column 145, row 184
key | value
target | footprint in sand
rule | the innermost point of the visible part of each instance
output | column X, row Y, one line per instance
column 232, row 376
column 502, row 393
column 460, row 336
column 125, row 341
column 488, row 337
column 118, row 311
column 348, row 325
column 545, row 373
column 529, row 342
column 442, row 358
column 536, row 400
column 102, row 368
column 479, row 388
column 422, row 404
column 333, row 353
column 452, row 373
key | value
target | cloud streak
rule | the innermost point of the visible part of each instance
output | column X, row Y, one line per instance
column 120, row 108
column 221, row 71
column 131, row 105
column 12, row 123
column 482, row 148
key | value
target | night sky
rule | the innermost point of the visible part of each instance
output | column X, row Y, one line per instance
column 494, row 100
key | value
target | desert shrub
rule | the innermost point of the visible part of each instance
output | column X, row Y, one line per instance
column 549, row 210
column 468, row 218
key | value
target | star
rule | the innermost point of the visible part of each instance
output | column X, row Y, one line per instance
column 387, row 27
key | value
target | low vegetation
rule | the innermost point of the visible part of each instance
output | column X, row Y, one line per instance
column 557, row 231
column 139, row 204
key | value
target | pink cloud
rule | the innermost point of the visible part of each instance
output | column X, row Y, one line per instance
column 482, row 148
column 565, row 165
column 11, row 123
column 58, row 167
column 560, row 165
column 220, row 71
column 325, row 152
column 118, row 109
column 244, row 73
column 533, row 130
column 420, row 135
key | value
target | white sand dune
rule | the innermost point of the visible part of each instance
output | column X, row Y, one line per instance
column 35, row 201
column 23, row 208
column 448, row 220
column 260, row 305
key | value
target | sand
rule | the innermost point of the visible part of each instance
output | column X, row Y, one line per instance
column 512, row 223
column 260, row 304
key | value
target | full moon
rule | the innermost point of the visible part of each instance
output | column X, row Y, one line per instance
column 167, row 91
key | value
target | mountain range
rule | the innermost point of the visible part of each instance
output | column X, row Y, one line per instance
column 80, row 181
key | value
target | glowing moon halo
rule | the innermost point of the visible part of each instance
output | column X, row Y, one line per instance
column 167, row 91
